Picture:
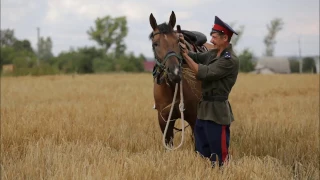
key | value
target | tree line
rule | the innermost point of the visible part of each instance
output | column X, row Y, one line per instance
column 110, row 56
column 246, row 57
column 108, row 32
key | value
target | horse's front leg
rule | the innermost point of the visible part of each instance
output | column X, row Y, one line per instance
column 192, row 117
column 169, row 134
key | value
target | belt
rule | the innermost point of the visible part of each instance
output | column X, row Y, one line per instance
column 214, row 98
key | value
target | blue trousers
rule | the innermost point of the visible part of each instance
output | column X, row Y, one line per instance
column 212, row 140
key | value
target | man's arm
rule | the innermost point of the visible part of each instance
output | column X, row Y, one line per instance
column 215, row 71
column 193, row 66
column 197, row 57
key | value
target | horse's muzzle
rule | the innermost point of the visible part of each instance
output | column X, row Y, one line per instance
column 174, row 74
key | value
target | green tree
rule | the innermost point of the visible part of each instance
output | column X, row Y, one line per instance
column 245, row 58
column 105, row 64
column 22, row 56
column 139, row 63
column 45, row 49
column 87, row 54
column 294, row 65
column 308, row 65
column 109, row 32
column 24, row 45
column 16, row 52
column 7, row 55
column 65, row 62
column 7, row 37
column 24, row 62
column 269, row 40
column 130, row 63
column 24, row 59
column 80, row 61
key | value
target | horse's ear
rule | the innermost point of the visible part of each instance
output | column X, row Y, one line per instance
column 153, row 22
column 172, row 21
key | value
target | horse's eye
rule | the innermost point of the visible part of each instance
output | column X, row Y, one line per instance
column 154, row 44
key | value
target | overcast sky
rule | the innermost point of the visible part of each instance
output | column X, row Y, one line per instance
column 67, row 21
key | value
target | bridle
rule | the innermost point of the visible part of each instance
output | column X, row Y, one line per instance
column 162, row 67
column 167, row 56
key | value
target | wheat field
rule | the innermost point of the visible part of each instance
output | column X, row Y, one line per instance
column 104, row 127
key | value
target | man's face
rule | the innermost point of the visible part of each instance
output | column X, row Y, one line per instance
column 218, row 41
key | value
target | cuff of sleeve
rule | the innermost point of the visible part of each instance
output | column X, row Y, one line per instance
column 202, row 72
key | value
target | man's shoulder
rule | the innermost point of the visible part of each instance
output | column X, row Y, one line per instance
column 210, row 51
column 227, row 55
column 230, row 55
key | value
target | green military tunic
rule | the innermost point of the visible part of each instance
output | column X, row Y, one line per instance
column 218, row 75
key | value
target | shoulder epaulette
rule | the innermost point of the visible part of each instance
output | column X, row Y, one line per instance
column 227, row 55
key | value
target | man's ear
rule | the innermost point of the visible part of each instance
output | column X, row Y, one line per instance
column 225, row 38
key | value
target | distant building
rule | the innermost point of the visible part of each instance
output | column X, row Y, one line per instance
column 149, row 64
column 8, row 68
column 272, row 65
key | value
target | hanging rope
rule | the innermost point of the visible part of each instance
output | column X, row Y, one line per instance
column 181, row 108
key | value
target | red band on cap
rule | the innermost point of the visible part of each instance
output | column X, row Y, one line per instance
column 223, row 29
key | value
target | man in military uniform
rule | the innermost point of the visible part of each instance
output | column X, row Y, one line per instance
column 218, row 71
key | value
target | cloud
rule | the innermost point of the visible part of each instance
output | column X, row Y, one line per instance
column 14, row 10
column 91, row 9
column 135, row 10
column 64, row 16
column 66, row 21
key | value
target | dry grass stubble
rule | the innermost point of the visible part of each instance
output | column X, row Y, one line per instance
column 104, row 127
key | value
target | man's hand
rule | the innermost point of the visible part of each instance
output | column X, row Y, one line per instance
column 184, row 52
column 182, row 45
column 184, row 49
column 181, row 37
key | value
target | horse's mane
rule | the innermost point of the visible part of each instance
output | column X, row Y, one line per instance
column 163, row 28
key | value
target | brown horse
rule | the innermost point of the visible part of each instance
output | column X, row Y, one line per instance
column 170, row 70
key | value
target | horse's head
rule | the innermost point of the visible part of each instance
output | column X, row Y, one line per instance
column 166, row 48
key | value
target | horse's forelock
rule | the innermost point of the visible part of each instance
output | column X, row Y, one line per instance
column 163, row 28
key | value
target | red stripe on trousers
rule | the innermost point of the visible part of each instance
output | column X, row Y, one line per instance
column 224, row 143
